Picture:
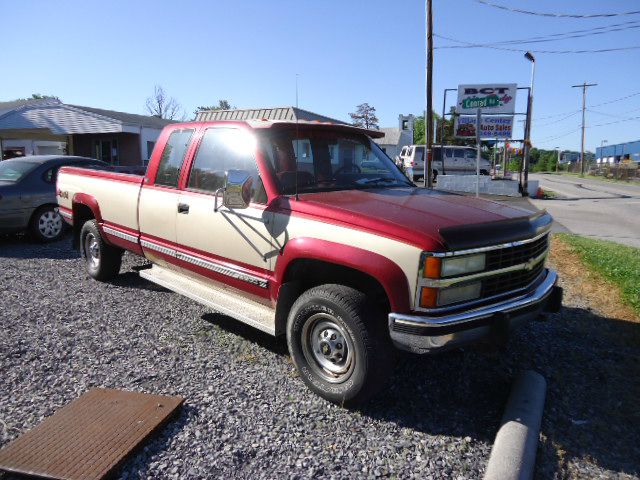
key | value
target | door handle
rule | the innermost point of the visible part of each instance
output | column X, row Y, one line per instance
column 183, row 208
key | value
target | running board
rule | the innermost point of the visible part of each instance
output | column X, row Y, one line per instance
column 220, row 299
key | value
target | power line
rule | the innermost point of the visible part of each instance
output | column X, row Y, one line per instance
column 613, row 115
column 557, row 15
column 631, row 119
column 556, row 115
column 476, row 45
column 616, row 100
column 560, row 120
column 550, row 139
column 552, row 38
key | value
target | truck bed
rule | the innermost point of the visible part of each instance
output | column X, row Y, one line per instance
column 114, row 195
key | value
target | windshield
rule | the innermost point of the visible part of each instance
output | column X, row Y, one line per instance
column 328, row 160
column 15, row 170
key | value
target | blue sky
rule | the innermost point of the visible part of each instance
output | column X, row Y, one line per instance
column 111, row 54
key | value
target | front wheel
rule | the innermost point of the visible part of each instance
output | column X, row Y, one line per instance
column 102, row 261
column 338, row 344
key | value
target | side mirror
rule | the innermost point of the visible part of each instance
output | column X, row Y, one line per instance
column 237, row 189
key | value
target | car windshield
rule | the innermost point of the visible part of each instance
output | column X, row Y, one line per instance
column 15, row 170
column 328, row 160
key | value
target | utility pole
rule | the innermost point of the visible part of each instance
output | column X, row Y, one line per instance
column 558, row 161
column 524, row 170
column 584, row 106
column 428, row 114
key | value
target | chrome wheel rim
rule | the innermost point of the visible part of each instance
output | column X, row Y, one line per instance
column 50, row 224
column 92, row 250
column 328, row 348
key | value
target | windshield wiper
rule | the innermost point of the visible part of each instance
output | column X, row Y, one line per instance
column 366, row 181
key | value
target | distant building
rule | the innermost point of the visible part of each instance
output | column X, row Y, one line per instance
column 573, row 157
column 48, row 126
column 396, row 138
column 620, row 153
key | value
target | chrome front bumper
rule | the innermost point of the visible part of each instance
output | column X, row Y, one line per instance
column 426, row 334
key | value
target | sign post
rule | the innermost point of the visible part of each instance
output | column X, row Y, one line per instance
column 478, row 120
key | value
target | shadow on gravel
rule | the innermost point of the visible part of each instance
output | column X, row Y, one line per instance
column 591, row 413
column 138, row 464
column 22, row 246
column 230, row 325
column 134, row 280
column 452, row 394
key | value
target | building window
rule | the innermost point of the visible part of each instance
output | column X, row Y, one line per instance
column 150, row 146
column 405, row 124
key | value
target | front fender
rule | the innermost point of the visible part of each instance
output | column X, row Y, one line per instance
column 385, row 271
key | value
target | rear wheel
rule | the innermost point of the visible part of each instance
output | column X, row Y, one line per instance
column 46, row 224
column 102, row 261
column 338, row 345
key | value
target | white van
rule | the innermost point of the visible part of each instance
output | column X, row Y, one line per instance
column 458, row 160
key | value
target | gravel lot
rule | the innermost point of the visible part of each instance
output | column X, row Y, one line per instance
column 247, row 415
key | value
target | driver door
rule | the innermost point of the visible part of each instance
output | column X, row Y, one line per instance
column 231, row 243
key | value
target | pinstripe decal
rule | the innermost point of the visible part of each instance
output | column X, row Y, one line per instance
column 119, row 234
column 214, row 267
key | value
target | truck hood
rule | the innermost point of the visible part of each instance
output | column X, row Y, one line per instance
column 428, row 219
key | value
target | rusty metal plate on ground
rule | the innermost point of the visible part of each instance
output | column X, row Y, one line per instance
column 90, row 436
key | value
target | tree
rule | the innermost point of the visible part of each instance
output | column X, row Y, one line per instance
column 37, row 96
column 365, row 116
column 222, row 105
column 161, row 106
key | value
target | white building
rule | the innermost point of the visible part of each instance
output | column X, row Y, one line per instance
column 48, row 126
column 396, row 138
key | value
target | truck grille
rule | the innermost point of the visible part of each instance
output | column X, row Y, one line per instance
column 510, row 281
column 506, row 257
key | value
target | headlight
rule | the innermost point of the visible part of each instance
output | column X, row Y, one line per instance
column 438, row 297
column 454, row 266
column 434, row 267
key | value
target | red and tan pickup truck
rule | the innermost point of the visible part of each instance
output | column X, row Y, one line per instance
column 309, row 230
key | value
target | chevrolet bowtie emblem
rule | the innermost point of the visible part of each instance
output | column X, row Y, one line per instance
column 530, row 264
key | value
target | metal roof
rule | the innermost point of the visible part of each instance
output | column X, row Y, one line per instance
column 130, row 118
column 391, row 136
column 276, row 113
column 63, row 119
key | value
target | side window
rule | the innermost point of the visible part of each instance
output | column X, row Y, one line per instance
column 172, row 158
column 448, row 152
column 220, row 150
column 50, row 175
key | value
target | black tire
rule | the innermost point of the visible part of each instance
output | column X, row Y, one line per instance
column 102, row 261
column 46, row 224
column 332, row 314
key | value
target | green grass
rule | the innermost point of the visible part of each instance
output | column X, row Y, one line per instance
column 618, row 263
column 600, row 178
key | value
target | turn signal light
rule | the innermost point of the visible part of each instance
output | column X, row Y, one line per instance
column 428, row 297
column 432, row 267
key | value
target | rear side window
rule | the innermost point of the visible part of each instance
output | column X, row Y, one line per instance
column 220, row 150
column 173, row 157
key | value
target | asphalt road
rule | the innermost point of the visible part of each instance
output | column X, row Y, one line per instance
column 590, row 207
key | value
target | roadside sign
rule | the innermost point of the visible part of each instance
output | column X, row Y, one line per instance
column 490, row 98
column 498, row 126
